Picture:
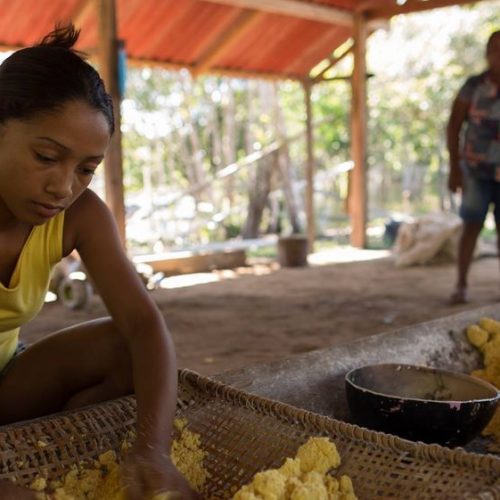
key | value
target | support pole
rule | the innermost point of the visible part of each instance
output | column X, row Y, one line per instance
column 357, row 179
column 311, row 226
column 108, row 57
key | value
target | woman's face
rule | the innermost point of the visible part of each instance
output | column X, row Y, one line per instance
column 47, row 161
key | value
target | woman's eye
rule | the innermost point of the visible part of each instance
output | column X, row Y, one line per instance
column 88, row 171
column 45, row 159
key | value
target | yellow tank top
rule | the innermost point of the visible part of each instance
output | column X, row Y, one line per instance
column 24, row 297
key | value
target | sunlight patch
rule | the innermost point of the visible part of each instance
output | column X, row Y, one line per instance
column 346, row 254
column 189, row 280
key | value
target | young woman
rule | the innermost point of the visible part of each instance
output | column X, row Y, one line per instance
column 56, row 121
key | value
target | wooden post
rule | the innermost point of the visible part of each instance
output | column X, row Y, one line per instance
column 311, row 227
column 108, row 56
column 357, row 179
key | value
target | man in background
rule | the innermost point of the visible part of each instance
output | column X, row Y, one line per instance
column 473, row 139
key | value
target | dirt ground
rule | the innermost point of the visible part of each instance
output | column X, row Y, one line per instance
column 264, row 313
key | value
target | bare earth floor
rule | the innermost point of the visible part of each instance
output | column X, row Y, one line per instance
column 267, row 313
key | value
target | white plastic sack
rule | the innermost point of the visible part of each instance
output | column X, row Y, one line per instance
column 427, row 238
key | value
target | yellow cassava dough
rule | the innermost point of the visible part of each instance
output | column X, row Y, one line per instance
column 302, row 478
column 486, row 337
column 102, row 480
column 188, row 455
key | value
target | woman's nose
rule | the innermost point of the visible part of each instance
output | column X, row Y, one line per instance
column 60, row 183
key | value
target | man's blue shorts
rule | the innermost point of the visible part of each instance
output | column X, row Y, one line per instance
column 477, row 195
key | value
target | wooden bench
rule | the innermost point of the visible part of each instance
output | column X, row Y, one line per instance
column 186, row 262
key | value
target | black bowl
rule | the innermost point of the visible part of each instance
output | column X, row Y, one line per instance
column 420, row 403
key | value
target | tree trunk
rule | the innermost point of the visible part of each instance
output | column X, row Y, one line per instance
column 161, row 175
column 228, row 141
column 197, row 153
column 186, row 159
column 258, row 195
column 251, row 117
column 214, row 131
column 284, row 163
column 287, row 182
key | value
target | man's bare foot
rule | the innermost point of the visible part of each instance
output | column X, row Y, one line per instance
column 459, row 296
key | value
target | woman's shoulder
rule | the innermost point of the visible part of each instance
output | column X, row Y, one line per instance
column 88, row 200
column 87, row 213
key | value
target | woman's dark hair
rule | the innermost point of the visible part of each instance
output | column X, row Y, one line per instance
column 48, row 75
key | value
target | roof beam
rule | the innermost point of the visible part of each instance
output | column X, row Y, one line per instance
column 82, row 11
column 215, row 70
column 224, row 42
column 371, row 26
column 306, row 54
column 412, row 6
column 332, row 62
column 294, row 8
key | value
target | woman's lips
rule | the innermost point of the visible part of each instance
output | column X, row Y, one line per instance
column 47, row 210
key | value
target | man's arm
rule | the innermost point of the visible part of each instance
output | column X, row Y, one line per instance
column 457, row 118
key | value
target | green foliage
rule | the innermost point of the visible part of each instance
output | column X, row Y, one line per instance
column 419, row 66
column 267, row 252
column 177, row 131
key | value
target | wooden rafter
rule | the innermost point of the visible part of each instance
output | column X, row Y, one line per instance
column 245, row 20
column 10, row 48
column 371, row 26
column 332, row 62
column 294, row 8
column 305, row 55
column 367, row 5
column 215, row 70
column 411, row 6
column 82, row 10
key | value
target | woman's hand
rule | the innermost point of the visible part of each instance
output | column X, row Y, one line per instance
column 149, row 471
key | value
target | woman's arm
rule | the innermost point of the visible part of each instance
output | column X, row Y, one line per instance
column 9, row 491
column 90, row 228
column 92, row 231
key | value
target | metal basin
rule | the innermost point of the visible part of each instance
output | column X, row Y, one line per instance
column 420, row 403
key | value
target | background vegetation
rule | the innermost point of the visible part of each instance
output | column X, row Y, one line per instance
column 189, row 177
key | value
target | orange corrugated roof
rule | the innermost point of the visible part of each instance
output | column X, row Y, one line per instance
column 185, row 32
